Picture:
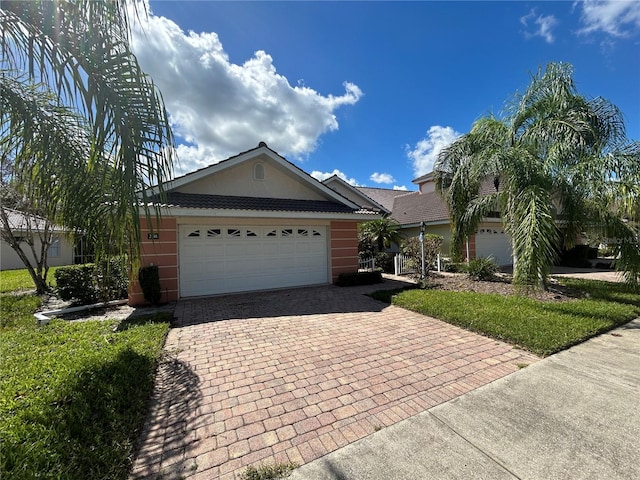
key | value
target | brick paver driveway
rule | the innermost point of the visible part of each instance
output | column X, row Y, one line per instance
column 293, row 375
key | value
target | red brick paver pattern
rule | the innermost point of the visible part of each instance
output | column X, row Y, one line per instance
column 292, row 376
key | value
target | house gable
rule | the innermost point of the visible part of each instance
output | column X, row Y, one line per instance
column 259, row 173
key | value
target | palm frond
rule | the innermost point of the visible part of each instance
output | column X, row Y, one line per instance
column 80, row 51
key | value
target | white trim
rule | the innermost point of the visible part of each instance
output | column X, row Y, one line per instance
column 205, row 212
column 260, row 150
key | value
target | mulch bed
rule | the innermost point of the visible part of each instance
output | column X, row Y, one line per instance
column 502, row 285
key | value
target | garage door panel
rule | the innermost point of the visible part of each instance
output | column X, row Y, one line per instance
column 494, row 242
column 239, row 258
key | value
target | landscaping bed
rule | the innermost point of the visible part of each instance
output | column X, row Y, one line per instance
column 460, row 282
column 541, row 322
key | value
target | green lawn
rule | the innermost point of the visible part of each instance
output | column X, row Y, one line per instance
column 73, row 395
column 14, row 280
column 540, row 327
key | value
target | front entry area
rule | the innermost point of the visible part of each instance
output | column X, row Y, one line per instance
column 240, row 258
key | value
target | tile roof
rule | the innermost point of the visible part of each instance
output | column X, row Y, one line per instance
column 419, row 207
column 228, row 202
column 21, row 221
column 382, row 196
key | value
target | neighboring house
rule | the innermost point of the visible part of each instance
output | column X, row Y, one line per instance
column 426, row 205
column 252, row 222
column 60, row 252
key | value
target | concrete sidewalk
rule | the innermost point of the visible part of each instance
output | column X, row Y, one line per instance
column 574, row 415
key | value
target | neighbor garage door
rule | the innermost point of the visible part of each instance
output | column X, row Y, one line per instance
column 493, row 242
column 237, row 258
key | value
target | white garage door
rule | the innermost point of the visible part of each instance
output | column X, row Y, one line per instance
column 494, row 242
column 216, row 259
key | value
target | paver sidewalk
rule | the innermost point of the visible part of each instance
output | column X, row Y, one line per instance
column 293, row 375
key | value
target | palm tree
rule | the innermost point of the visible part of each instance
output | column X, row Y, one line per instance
column 82, row 127
column 561, row 165
column 380, row 233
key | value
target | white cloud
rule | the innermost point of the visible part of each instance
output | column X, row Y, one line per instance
column 543, row 25
column 221, row 108
column 386, row 178
column 424, row 154
column 400, row 187
column 320, row 176
column 613, row 17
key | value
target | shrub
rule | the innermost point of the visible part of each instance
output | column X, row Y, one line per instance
column 150, row 283
column 91, row 283
column 76, row 283
column 482, row 268
column 358, row 278
column 455, row 267
column 112, row 278
column 412, row 249
column 384, row 260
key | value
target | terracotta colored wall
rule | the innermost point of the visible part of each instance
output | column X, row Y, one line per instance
column 162, row 252
column 344, row 248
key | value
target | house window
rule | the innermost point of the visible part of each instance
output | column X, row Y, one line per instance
column 272, row 233
column 194, row 233
column 316, row 233
column 258, row 171
column 251, row 233
column 303, row 232
column 233, row 232
column 213, row 232
column 287, row 232
column 54, row 249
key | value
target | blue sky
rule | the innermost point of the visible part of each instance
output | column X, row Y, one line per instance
column 371, row 90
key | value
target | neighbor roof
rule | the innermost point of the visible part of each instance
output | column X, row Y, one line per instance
column 22, row 221
column 419, row 207
column 383, row 196
column 356, row 191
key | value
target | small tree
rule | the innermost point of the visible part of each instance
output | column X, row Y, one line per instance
column 412, row 249
column 31, row 243
column 380, row 234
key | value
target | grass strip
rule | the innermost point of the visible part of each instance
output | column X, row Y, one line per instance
column 540, row 327
column 16, row 280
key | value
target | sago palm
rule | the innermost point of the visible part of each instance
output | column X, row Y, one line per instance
column 380, row 233
column 557, row 165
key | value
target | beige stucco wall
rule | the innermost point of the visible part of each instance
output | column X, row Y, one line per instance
column 239, row 181
column 9, row 259
column 428, row 187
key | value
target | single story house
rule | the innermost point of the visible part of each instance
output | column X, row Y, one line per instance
column 61, row 250
column 426, row 205
column 254, row 221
